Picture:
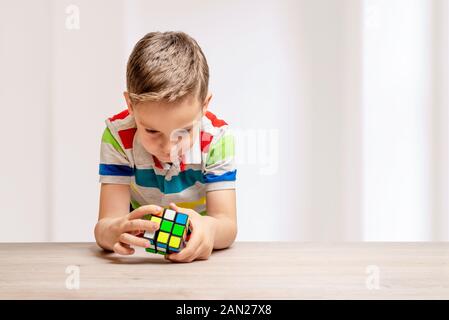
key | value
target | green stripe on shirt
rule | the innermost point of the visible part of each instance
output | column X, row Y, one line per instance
column 222, row 149
column 135, row 204
column 109, row 138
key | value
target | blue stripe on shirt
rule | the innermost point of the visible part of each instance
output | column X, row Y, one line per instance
column 185, row 179
column 227, row 176
column 116, row 170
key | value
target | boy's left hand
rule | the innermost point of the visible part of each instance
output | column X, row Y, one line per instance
column 201, row 242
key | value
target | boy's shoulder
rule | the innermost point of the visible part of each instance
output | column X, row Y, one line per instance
column 214, row 131
column 121, row 121
column 123, row 128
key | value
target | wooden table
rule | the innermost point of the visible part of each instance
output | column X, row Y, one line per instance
column 248, row 270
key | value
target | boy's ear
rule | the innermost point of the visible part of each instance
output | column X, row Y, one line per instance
column 128, row 102
column 206, row 102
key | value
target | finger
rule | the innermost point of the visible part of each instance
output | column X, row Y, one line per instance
column 203, row 254
column 122, row 249
column 199, row 254
column 191, row 257
column 189, row 251
column 144, row 210
column 174, row 257
column 186, row 211
column 139, row 224
column 173, row 206
column 133, row 240
column 137, row 233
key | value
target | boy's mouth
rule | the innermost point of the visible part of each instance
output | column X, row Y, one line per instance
column 166, row 158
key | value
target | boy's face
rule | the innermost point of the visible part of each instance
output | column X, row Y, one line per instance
column 168, row 130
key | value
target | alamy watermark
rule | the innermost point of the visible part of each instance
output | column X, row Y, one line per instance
column 254, row 147
column 372, row 281
column 72, row 20
column 72, row 282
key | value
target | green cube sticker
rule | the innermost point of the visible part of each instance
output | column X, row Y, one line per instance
column 178, row 230
column 166, row 226
column 150, row 250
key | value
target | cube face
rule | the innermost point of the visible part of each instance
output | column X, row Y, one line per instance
column 172, row 235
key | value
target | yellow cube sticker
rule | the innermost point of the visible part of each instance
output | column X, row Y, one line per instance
column 156, row 219
column 163, row 237
column 174, row 242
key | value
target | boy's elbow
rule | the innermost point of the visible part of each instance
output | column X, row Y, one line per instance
column 233, row 235
column 229, row 240
column 98, row 234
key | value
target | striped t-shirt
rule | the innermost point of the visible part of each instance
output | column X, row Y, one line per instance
column 208, row 165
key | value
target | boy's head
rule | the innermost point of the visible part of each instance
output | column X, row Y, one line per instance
column 167, row 92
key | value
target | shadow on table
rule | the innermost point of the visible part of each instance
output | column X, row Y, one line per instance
column 118, row 259
column 138, row 259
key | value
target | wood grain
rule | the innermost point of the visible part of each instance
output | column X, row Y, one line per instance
column 247, row 270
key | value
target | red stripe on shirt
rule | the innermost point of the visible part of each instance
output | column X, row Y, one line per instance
column 120, row 116
column 157, row 163
column 206, row 139
column 182, row 166
column 127, row 137
column 215, row 121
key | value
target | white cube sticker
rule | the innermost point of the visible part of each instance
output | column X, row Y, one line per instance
column 149, row 234
column 169, row 214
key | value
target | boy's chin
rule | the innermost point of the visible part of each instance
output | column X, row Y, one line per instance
column 164, row 159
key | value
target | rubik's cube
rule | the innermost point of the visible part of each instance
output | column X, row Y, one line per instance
column 173, row 233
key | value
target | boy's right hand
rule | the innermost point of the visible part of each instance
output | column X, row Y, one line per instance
column 126, row 228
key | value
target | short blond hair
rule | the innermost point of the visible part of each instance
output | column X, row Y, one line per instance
column 166, row 66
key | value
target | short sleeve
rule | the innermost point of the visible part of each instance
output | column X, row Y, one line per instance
column 220, row 169
column 114, row 164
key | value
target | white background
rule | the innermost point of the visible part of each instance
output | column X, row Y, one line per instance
column 355, row 93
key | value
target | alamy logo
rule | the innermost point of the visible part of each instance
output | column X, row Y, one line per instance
column 372, row 281
column 72, row 21
column 72, row 281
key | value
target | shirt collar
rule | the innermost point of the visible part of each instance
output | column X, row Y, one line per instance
column 194, row 155
column 191, row 156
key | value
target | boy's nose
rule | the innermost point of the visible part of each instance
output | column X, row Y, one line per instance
column 167, row 148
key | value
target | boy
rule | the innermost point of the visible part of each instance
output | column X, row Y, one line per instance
column 167, row 150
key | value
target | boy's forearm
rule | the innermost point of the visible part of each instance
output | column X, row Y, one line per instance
column 225, row 231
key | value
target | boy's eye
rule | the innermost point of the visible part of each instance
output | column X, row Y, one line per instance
column 151, row 131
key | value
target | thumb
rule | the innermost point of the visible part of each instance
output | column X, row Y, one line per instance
column 191, row 213
column 173, row 206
